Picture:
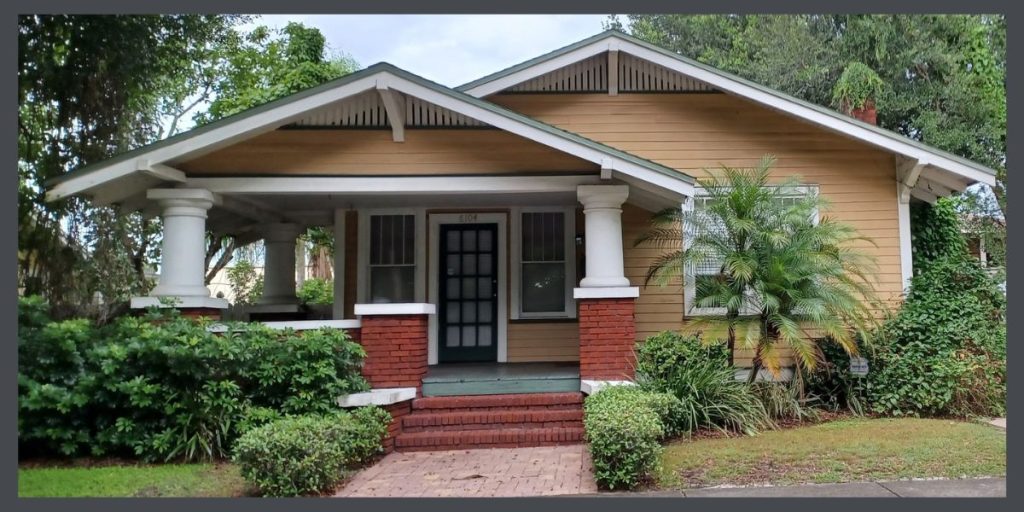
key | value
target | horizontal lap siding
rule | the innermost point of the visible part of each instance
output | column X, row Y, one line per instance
column 543, row 341
column 372, row 152
column 691, row 132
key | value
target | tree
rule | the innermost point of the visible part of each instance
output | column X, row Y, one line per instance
column 258, row 67
column 90, row 87
column 783, row 278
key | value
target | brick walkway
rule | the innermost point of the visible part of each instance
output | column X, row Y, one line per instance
column 546, row 470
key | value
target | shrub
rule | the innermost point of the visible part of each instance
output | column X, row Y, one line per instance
column 782, row 401
column 308, row 454
column 700, row 378
column 623, row 432
column 832, row 384
column 944, row 352
column 316, row 291
column 659, row 355
column 164, row 387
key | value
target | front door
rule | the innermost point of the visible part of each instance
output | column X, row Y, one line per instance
column 468, row 293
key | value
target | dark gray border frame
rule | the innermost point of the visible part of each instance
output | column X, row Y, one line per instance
column 9, row 53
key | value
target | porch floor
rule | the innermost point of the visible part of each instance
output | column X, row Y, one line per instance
column 499, row 378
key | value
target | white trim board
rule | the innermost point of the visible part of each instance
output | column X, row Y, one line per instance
column 434, row 222
column 729, row 84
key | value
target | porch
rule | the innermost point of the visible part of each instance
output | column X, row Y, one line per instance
column 501, row 378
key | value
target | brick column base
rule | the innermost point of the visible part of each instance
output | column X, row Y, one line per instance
column 396, row 350
column 607, row 339
column 397, row 411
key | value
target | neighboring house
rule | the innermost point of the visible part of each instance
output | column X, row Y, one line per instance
column 494, row 222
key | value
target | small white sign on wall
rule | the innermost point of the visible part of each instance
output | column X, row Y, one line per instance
column 858, row 366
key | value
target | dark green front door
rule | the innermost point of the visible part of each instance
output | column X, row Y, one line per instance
column 468, row 291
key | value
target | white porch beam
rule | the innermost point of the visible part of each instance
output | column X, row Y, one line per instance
column 242, row 208
column 613, row 72
column 409, row 185
column 394, row 105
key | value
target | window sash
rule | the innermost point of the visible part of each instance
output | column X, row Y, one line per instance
column 392, row 245
column 545, row 239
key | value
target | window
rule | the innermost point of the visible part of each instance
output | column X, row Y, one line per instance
column 545, row 270
column 392, row 259
column 711, row 267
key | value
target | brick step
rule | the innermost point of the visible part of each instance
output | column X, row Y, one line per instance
column 477, row 420
column 505, row 403
column 496, row 438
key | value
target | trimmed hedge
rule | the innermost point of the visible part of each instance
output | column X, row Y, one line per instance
column 624, row 425
column 308, row 454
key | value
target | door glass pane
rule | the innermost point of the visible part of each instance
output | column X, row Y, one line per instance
column 486, row 314
column 485, row 241
column 468, row 335
column 392, row 284
column 453, row 287
column 484, row 335
column 452, row 339
column 485, row 265
column 469, row 240
column 468, row 312
column 468, row 264
column 452, row 311
column 453, row 241
column 543, row 287
column 484, row 287
column 454, row 265
column 468, row 288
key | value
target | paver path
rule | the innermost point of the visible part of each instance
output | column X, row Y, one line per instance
column 540, row 471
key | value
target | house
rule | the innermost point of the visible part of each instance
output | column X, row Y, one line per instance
column 486, row 232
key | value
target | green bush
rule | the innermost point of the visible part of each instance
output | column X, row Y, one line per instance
column 164, row 387
column 316, row 291
column 659, row 355
column 832, row 384
column 623, row 432
column 944, row 352
column 783, row 401
column 700, row 377
column 308, row 454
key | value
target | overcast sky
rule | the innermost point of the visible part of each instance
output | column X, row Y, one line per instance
column 449, row 49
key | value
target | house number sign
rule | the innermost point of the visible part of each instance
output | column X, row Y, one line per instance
column 467, row 217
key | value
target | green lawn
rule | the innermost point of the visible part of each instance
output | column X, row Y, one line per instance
column 841, row 451
column 182, row 480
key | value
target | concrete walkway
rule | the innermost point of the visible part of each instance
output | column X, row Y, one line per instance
column 998, row 422
column 541, row 471
column 965, row 488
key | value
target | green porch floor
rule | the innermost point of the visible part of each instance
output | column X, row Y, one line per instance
column 499, row 378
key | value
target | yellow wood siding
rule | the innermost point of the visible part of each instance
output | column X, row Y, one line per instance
column 372, row 152
column 543, row 341
column 691, row 132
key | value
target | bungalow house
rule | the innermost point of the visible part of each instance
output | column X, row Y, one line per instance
column 484, row 234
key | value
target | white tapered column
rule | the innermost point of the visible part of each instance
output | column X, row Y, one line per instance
column 602, row 209
column 279, row 264
column 183, row 254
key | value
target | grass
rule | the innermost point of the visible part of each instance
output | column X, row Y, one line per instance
column 178, row 480
column 848, row 450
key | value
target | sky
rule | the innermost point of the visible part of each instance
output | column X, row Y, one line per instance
column 448, row 49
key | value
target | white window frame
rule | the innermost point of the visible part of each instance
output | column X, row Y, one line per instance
column 516, row 257
column 419, row 242
column 689, row 284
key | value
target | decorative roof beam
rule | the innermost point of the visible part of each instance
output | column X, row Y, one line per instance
column 908, row 171
column 613, row 72
column 394, row 105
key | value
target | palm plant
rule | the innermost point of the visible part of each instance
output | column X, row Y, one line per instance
column 784, row 277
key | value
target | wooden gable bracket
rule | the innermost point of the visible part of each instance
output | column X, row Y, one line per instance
column 613, row 69
column 132, row 185
column 394, row 105
column 606, row 169
column 908, row 172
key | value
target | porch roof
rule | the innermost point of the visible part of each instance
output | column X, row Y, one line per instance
column 131, row 173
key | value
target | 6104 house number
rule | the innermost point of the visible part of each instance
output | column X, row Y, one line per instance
column 467, row 217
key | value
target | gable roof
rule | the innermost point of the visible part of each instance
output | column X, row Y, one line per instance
column 918, row 152
column 148, row 161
